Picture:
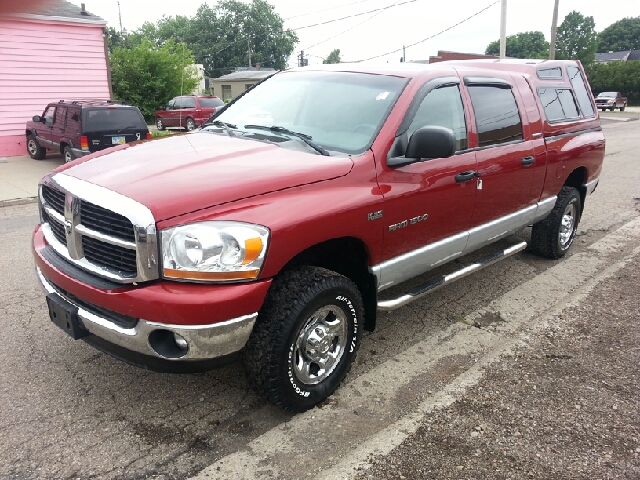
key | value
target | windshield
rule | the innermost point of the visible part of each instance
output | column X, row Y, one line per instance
column 340, row 112
column 100, row 119
column 210, row 102
column 607, row 94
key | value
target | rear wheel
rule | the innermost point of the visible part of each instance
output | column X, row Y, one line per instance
column 191, row 124
column 623, row 107
column 35, row 150
column 305, row 339
column 553, row 236
column 160, row 124
column 68, row 155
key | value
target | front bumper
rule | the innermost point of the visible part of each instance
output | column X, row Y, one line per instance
column 138, row 324
column 204, row 342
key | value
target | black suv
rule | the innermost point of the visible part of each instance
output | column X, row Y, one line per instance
column 79, row 127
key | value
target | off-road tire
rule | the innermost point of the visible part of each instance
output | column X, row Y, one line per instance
column 160, row 124
column 545, row 236
column 68, row 154
column 35, row 150
column 293, row 297
column 191, row 125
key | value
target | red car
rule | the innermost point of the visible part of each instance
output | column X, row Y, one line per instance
column 187, row 112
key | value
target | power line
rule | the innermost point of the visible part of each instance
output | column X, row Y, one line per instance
column 325, row 10
column 354, row 15
column 349, row 29
column 434, row 35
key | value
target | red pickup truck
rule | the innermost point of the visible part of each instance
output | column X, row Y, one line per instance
column 611, row 101
column 270, row 233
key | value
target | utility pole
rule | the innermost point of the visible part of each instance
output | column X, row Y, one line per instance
column 249, row 52
column 503, row 29
column 404, row 55
column 120, row 18
column 554, row 27
column 301, row 60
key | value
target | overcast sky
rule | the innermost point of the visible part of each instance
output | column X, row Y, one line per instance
column 380, row 32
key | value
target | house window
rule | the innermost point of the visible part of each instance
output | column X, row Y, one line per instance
column 226, row 92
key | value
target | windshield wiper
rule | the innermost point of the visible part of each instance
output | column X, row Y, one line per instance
column 124, row 128
column 305, row 138
column 225, row 126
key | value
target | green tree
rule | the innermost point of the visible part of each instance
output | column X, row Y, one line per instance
column 228, row 35
column 522, row 45
column 115, row 39
column 333, row 57
column 617, row 77
column 147, row 76
column 577, row 39
column 621, row 35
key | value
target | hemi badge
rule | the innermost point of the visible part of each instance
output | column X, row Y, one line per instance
column 375, row 215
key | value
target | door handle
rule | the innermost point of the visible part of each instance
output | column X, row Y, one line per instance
column 465, row 176
column 526, row 161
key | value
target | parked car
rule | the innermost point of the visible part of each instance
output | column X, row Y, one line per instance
column 611, row 101
column 79, row 127
column 276, row 233
column 187, row 111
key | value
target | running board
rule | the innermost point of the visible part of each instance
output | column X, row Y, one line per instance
column 436, row 283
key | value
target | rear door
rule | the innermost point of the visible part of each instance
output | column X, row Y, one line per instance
column 505, row 160
column 178, row 112
column 206, row 108
column 58, row 127
column 188, row 110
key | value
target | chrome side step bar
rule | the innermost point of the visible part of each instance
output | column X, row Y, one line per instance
column 435, row 284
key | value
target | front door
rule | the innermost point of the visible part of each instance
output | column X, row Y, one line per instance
column 43, row 133
column 427, row 204
column 58, row 128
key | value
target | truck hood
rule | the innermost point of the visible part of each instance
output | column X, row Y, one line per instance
column 181, row 174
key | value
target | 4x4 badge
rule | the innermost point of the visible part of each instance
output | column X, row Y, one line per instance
column 375, row 215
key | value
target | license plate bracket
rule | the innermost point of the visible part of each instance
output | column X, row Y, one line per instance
column 118, row 140
column 65, row 316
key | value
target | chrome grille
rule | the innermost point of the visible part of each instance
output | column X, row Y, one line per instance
column 99, row 230
column 105, row 221
column 110, row 256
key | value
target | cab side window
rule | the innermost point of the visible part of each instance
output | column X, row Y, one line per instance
column 497, row 115
column 442, row 107
column 48, row 115
column 179, row 105
column 171, row 105
column 59, row 117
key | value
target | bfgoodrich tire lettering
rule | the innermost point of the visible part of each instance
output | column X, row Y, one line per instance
column 553, row 236
column 311, row 318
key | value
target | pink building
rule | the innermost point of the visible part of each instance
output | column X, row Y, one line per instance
column 56, row 52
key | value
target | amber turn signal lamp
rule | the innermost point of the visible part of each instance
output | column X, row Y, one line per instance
column 252, row 247
column 189, row 275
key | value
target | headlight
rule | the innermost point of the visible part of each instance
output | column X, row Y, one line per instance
column 610, row 101
column 214, row 251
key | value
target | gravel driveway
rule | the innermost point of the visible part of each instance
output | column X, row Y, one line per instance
column 565, row 406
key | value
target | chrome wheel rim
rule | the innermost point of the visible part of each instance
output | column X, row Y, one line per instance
column 159, row 123
column 191, row 125
column 567, row 226
column 33, row 148
column 320, row 345
column 67, row 156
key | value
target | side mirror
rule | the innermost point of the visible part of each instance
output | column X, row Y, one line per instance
column 427, row 142
column 37, row 119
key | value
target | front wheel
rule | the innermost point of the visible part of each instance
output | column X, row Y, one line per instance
column 160, row 124
column 623, row 107
column 553, row 236
column 305, row 339
column 35, row 150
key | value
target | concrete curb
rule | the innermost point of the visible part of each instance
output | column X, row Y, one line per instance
column 18, row 201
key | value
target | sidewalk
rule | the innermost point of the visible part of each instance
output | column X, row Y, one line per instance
column 19, row 177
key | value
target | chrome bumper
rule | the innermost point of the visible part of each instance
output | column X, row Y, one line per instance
column 204, row 341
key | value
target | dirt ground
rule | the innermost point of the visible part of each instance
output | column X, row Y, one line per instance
column 565, row 406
